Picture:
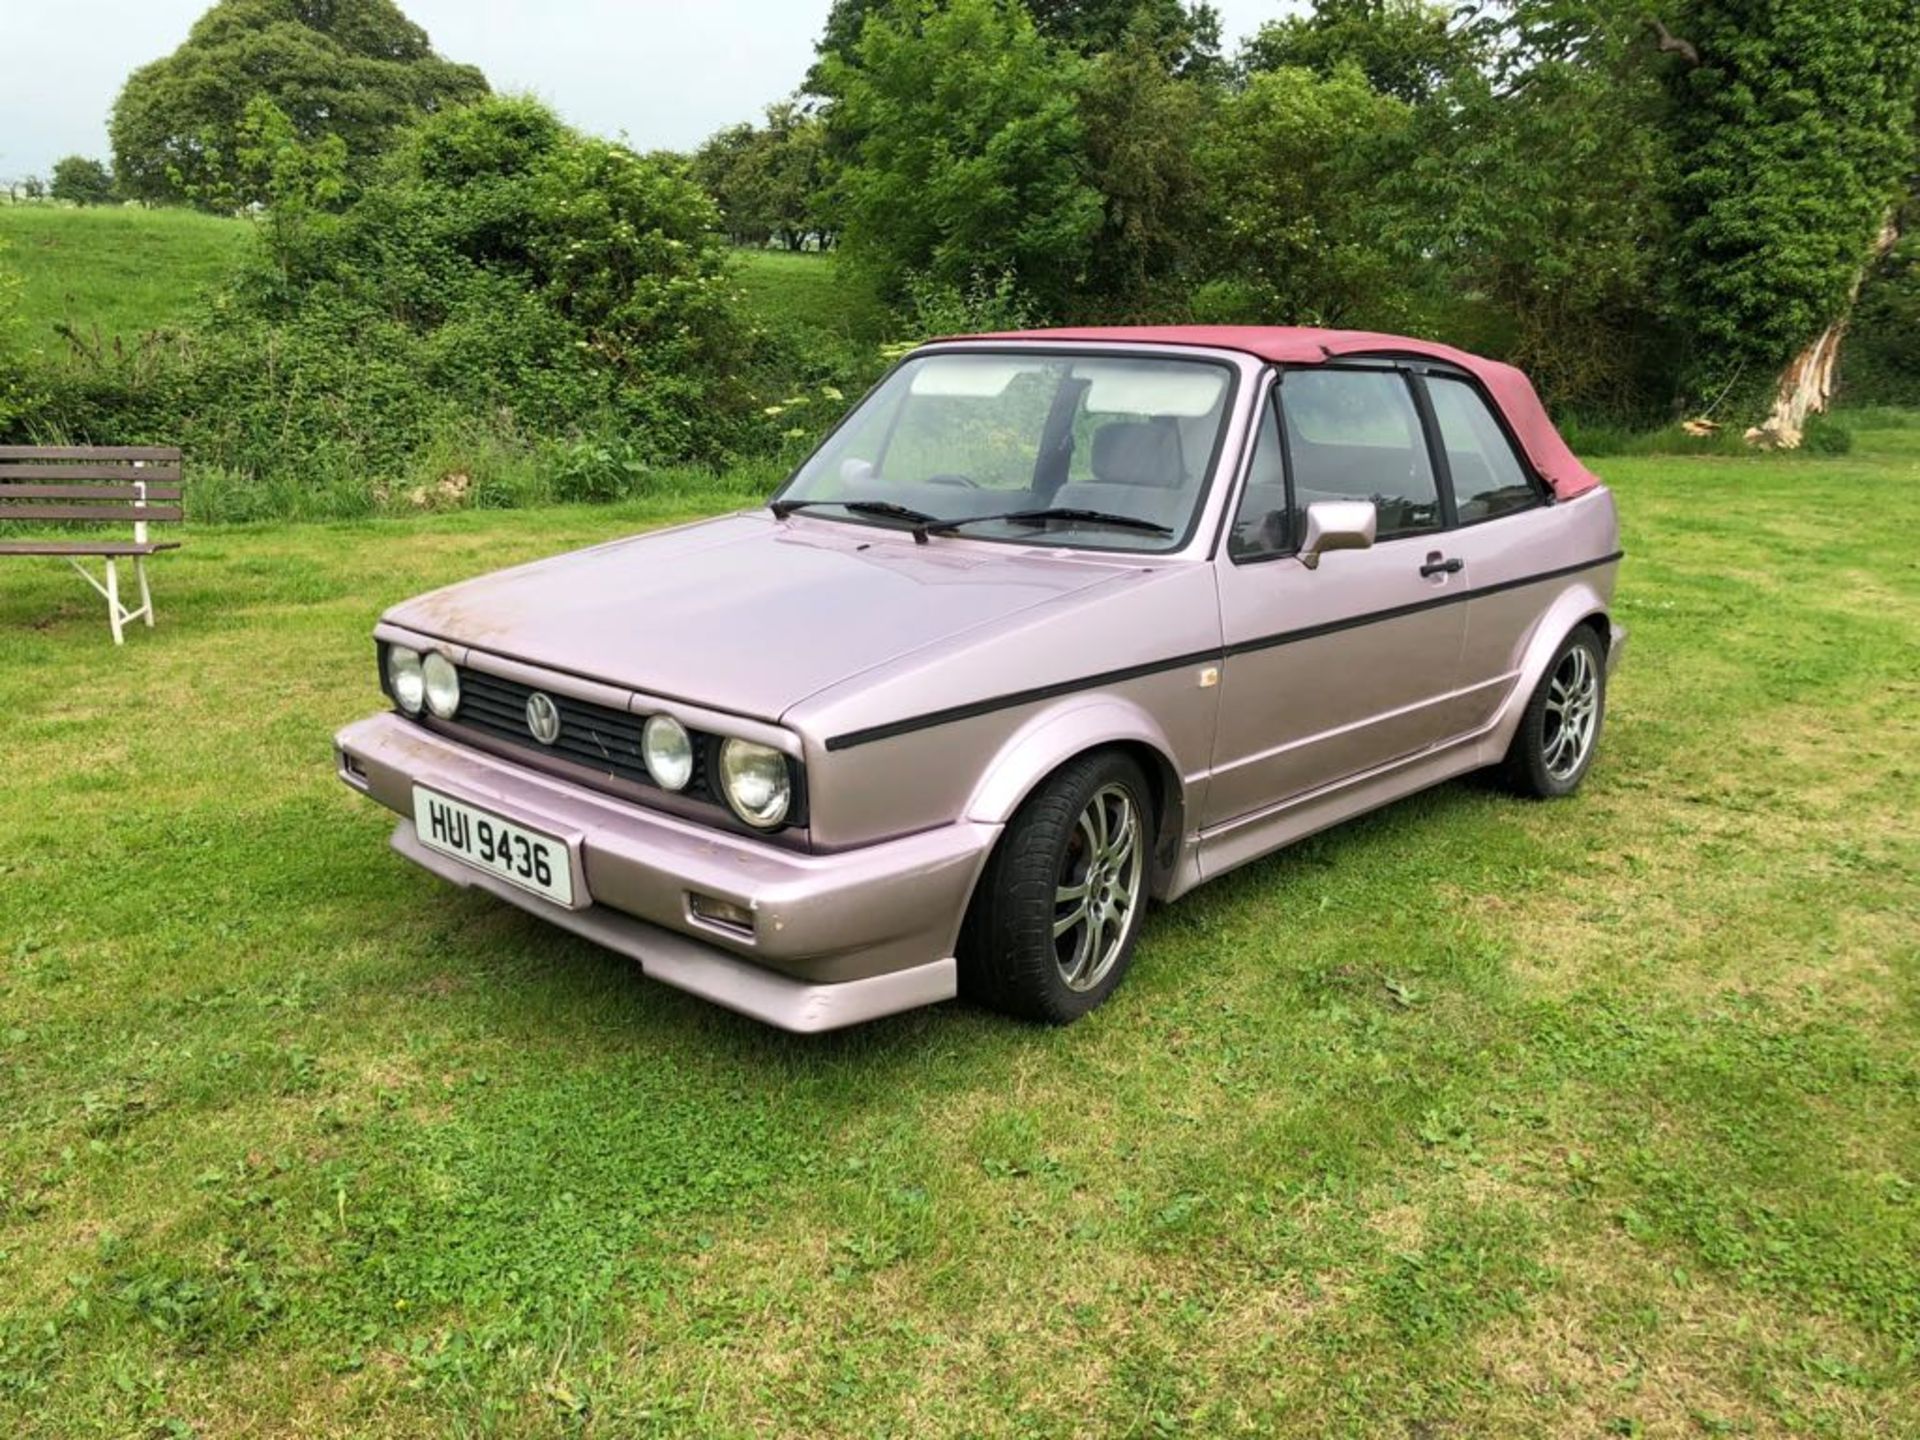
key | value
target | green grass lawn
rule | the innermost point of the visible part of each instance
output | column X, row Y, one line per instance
column 811, row 292
column 112, row 271
column 1473, row 1117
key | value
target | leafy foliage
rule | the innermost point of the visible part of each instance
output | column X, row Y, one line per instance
column 1794, row 137
column 358, row 70
column 770, row 181
column 1882, row 358
column 1140, row 123
column 83, row 181
column 1541, row 188
column 498, row 271
column 1409, row 49
column 964, row 145
column 1299, row 230
column 16, row 393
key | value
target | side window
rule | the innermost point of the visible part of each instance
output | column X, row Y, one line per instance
column 1262, row 527
column 1488, row 478
column 1355, row 435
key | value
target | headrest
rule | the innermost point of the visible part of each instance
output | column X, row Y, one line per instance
column 1138, row 452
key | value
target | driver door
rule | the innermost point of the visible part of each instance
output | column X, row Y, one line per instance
column 1335, row 671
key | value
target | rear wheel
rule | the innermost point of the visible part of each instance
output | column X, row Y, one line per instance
column 1560, row 729
column 1053, row 923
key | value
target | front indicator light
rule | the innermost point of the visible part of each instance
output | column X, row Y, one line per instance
column 668, row 751
column 716, row 911
column 756, row 782
column 442, row 684
column 406, row 679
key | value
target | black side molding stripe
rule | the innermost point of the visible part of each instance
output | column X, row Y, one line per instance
column 952, row 713
column 1018, row 697
column 1375, row 617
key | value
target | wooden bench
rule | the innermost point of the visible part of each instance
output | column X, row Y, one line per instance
column 93, row 485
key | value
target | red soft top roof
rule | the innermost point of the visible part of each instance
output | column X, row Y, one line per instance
column 1300, row 345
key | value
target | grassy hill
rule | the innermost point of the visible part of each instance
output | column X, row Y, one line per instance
column 124, row 270
column 810, row 291
column 114, row 272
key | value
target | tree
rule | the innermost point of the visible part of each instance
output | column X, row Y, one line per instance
column 1298, row 228
column 1537, row 182
column 1794, row 136
column 1410, row 49
column 965, row 149
column 1186, row 33
column 355, row 69
column 1186, row 36
column 1140, row 122
column 82, row 181
column 769, row 181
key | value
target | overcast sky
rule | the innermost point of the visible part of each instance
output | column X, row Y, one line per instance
column 666, row 73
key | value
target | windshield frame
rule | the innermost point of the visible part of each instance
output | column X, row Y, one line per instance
column 1205, row 497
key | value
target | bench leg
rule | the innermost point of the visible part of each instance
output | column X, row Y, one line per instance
column 113, row 601
column 146, row 595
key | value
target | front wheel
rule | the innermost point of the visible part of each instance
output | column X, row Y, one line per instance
column 1053, row 923
column 1560, row 729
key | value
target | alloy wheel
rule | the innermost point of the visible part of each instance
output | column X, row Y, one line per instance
column 1098, row 889
column 1572, row 713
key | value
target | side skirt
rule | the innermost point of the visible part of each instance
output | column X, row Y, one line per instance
column 1248, row 837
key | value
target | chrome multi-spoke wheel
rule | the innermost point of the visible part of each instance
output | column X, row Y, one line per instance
column 1054, row 917
column 1098, row 889
column 1560, row 728
column 1572, row 711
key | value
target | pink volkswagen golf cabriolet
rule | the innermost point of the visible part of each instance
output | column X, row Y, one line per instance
column 1052, row 625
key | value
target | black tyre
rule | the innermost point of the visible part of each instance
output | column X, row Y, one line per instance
column 1560, row 730
column 1053, row 921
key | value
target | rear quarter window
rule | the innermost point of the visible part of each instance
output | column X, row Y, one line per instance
column 1488, row 478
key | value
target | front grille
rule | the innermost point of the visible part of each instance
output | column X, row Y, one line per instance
column 592, row 736
column 601, row 741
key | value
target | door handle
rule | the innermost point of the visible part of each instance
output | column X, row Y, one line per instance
column 1437, row 566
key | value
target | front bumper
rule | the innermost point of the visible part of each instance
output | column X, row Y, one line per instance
column 836, row 939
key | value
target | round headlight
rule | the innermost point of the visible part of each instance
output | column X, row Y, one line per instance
column 756, row 782
column 443, row 684
column 406, row 679
column 668, row 750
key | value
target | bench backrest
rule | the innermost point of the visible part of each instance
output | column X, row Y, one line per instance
column 80, row 484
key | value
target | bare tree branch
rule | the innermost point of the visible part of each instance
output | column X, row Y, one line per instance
column 1672, row 44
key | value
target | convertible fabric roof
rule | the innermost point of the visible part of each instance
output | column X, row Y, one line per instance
column 1298, row 345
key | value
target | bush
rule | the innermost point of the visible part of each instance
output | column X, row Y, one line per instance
column 501, row 281
column 1824, row 435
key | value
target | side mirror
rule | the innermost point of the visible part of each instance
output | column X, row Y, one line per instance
column 1337, row 525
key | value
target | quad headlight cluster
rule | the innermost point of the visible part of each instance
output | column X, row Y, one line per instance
column 756, row 781
column 430, row 681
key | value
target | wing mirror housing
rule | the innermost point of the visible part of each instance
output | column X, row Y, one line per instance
column 1337, row 525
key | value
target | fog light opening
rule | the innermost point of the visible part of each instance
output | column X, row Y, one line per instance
column 724, row 913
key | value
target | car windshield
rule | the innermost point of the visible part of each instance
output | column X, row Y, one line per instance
column 1098, row 451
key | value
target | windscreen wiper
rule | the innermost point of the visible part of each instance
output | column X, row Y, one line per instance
column 884, row 509
column 1057, row 512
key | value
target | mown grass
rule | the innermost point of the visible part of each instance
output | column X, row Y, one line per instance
column 113, row 273
column 810, row 293
column 1472, row 1117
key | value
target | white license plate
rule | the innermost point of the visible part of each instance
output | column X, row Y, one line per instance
column 501, row 847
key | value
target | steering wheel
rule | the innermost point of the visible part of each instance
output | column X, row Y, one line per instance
column 962, row 481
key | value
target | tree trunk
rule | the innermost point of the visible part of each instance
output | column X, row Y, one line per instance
column 1806, row 385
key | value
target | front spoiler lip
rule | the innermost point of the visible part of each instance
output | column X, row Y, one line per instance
column 687, row 964
column 819, row 921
